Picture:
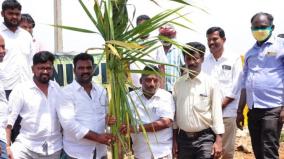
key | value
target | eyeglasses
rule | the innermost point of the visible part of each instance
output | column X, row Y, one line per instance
column 48, row 69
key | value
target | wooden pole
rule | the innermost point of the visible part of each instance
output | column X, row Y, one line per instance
column 58, row 42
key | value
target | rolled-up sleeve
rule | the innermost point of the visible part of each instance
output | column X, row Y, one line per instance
column 175, row 126
column 15, row 105
column 237, row 73
column 244, row 74
column 217, row 117
column 66, row 115
column 3, row 114
column 167, row 108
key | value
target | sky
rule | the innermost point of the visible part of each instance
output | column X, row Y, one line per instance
column 231, row 15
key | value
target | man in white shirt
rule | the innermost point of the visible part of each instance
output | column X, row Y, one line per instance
column 37, row 102
column 42, row 107
column 225, row 67
column 88, row 105
column 199, row 126
column 16, row 66
column 3, row 107
column 28, row 23
column 153, row 111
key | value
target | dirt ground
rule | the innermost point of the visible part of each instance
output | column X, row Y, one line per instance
column 243, row 149
column 242, row 155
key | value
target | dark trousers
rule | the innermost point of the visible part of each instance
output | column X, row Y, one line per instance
column 196, row 147
column 17, row 124
column 265, row 129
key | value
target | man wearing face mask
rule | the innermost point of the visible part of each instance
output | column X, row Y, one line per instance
column 174, row 55
column 262, row 88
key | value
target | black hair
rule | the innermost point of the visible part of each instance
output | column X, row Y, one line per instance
column 43, row 57
column 269, row 17
column 11, row 4
column 150, row 69
column 142, row 17
column 28, row 18
column 194, row 47
column 82, row 56
column 213, row 29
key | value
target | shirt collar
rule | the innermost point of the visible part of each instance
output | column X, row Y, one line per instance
column 223, row 56
column 199, row 77
column 3, row 27
column 77, row 86
column 271, row 40
column 157, row 94
column 31, row 84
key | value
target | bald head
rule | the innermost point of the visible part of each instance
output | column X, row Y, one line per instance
column 2, row 48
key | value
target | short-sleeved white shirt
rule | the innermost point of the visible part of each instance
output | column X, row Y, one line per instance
column 161, row 105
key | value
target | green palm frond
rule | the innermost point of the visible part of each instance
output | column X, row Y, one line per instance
column 123, row 47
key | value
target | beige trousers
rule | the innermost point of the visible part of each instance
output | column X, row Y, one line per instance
column 229, row 137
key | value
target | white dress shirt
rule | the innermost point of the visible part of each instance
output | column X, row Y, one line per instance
column 16, row 66
column 198, row 104
column 161, row 105
column 226, row 70
column 40, row 129
column 3, row 113
column 88, row 113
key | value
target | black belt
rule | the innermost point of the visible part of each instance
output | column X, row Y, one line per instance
column 197, row 134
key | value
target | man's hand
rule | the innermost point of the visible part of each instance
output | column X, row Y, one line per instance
column 106, row 139
column 110, row 120
column 226, row 101
column 282, row 115
column 217, row 147
column 240, row 120
column 9, row 152
column 124, row 129
column 175, row 148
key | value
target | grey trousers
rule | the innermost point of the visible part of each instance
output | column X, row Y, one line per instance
column 21, row 152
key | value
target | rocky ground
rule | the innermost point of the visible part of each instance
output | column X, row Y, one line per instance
column 244, row 149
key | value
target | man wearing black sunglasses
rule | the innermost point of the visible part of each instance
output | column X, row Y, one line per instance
column 262, row 88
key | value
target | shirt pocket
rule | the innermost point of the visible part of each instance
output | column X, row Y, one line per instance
column 202, row 102
column 225, row 74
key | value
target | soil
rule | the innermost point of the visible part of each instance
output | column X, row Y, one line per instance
column 240, row 154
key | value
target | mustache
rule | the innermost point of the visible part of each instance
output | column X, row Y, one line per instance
column 85, row 74
column 188, row 66
column 46, row 74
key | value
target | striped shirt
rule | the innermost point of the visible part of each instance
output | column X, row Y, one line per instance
column 174, row 57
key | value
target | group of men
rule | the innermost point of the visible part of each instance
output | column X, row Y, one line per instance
column 44, row 110
column 210, row 97
column 195, row 116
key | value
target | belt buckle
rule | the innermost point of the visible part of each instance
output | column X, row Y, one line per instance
column 191, row 134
